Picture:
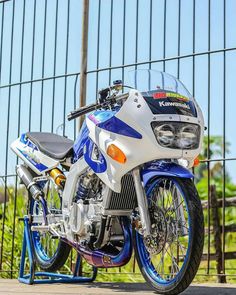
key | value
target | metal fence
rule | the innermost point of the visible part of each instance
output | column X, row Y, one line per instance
column 40, row 64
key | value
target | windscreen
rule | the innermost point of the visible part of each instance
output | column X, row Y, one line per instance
column 164, row 93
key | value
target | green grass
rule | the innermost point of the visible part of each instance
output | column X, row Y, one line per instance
column 124, row 274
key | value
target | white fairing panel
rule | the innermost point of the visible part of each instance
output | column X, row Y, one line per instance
column 32, row 156
column 136, row 113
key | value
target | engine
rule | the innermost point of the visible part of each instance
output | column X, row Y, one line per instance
column 86, row 211
column 93, row 217
column 92, row 205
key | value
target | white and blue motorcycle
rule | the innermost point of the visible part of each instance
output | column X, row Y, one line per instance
column 124, row 184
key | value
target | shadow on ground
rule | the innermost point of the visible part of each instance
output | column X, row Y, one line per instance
column 143, row 288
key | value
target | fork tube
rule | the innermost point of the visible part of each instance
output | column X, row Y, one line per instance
column 142, row 202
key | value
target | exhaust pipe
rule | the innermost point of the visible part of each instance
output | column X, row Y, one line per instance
column 27, row 179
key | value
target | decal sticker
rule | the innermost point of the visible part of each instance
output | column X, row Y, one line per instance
column 173, row 104
column 93, row 119
column 163, row 95
column 41, row 167
column 160, row 103
column 101, row 116
column 30, row 153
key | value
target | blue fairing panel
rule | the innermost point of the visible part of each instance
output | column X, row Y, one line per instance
column 115, row 125
column 108, row 121
column 94, row 157
column 80, row 142
column 84, row 146
column 163, row 168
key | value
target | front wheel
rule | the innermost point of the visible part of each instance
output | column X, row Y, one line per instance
column 170, row 257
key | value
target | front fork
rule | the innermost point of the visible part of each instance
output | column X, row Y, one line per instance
column 142, row 202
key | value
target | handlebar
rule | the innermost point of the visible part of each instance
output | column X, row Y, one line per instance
column 92, row 107
column 82, row 111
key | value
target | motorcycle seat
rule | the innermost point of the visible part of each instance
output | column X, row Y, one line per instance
column 53, row 145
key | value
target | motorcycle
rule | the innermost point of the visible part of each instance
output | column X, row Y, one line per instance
column 124, row 184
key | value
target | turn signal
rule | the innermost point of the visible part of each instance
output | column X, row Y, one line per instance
column 196, row 162
column 116, row 154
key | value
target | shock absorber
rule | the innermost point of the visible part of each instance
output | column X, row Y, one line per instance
column 83, row 189
column 28, row 180
column 58, row 177
column 84, row 186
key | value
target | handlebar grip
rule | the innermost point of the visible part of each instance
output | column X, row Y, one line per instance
column 81, row 111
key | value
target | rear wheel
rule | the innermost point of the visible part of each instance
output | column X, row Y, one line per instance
column 50, row 252
column 170, row 257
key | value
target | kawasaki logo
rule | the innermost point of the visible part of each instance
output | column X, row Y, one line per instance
column 173, row 104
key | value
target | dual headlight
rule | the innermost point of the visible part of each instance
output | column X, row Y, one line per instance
column 177, row 135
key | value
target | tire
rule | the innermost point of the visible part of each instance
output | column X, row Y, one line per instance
column 49, row 262
column 195, row 236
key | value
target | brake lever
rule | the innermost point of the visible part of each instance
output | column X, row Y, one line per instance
column 104, row 93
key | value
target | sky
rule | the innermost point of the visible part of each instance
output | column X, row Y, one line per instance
column 105, row 49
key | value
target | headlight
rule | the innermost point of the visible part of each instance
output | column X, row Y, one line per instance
column 189, row 136
column 177, row 135
column 165, row 134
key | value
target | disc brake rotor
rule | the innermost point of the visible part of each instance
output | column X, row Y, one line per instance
column 157, row 240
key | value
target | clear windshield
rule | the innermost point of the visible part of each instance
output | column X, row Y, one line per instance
column 163, row 93
column 149, row 81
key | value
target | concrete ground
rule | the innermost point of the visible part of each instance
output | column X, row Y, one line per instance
column 13, row 287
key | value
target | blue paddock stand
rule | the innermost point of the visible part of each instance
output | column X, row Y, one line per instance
column 42, row 277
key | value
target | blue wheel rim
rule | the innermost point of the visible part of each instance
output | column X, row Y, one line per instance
column 144, row 256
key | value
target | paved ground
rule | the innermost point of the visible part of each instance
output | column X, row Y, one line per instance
column 12, row 287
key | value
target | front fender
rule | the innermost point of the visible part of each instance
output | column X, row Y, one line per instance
column 163, row 168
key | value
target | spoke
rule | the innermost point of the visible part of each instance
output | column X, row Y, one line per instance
column 174, row 265
column 181, row 247
column 162, row 260
column 163, row 252
column 176, row 208
column 168, row 197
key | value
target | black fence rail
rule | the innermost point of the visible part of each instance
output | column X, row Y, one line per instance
column 40, row 68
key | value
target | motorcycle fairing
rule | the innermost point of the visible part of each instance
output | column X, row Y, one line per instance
column 136, row 113
column 163, row 168
column 84, row 146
